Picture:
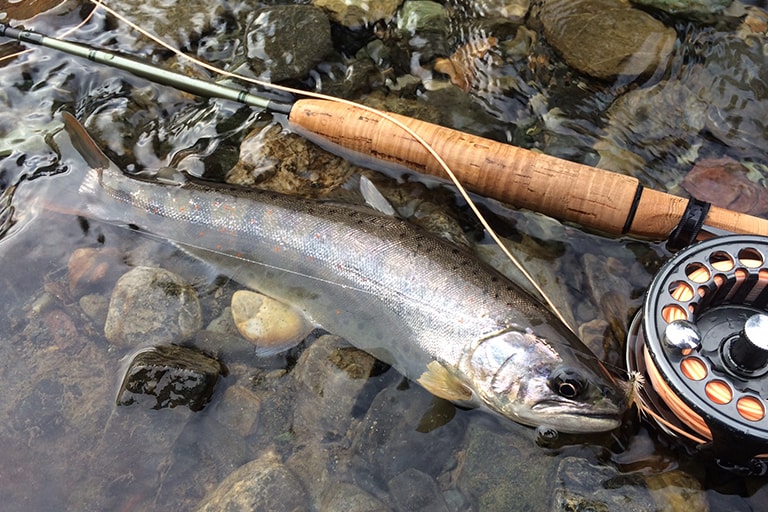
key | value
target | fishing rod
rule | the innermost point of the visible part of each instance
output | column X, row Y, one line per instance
column 596, row 199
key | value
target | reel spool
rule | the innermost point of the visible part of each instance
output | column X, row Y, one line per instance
column 701, row 341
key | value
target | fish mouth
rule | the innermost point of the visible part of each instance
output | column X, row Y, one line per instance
column 577, row 418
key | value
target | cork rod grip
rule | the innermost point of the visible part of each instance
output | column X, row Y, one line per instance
column 596, row 199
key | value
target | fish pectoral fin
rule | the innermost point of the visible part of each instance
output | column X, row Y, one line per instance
column 442, row 383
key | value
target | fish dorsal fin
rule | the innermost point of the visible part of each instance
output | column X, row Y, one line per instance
column 374, row 198
column 442, row 383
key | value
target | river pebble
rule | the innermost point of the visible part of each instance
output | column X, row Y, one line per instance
column 238, row 409
column 151, row 306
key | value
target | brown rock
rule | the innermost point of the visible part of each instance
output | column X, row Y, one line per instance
column 606, row 38
column 724, row 183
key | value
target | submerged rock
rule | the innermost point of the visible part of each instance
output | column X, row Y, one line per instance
column 357, row 13
column 606, row 38
column 686, row 6
column 272, row 326
column 726, row 183
column 346, row 496
column 415, row 491
column 287, row 163
column 170, row 376
column 151, row 306
column 286, row 41
column 262, row 485
column 584, row 486
column 181, row 23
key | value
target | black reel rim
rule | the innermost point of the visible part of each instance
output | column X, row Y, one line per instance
column 718, row 283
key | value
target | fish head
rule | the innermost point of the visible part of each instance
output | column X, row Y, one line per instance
column 531, row 380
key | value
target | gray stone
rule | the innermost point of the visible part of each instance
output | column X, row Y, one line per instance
column 503, row 470
column 417, row 16
column 331, row 373
column 151, row 306
column 414, row 491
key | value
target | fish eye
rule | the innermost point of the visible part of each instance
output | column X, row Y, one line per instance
column 567, row 382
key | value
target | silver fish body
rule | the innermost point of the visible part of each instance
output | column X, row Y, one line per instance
column 430, row 309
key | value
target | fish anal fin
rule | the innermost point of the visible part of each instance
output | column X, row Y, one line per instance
column 441, row 383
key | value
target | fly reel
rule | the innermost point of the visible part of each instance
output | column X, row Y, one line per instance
column 701, row 341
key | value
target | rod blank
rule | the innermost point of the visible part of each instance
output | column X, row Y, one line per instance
column 143, row 70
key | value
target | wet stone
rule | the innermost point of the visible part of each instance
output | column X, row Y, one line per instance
column 330, row 377
column 387, row 441
column 584, row 486
column 238, row 409
column 686, row 6
column 170, row 376
column 285, row 162
column 262, row 485
column 181, row 22
column 151, row 306
column 357, row 13
column 270, row 325
column 346, row 496
column 286, row 42
column 415, row 491
column 95, row 307
column 628, row 41
column 90, row 268
column 493, row 458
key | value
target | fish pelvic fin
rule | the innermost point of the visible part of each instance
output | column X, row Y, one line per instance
column 439, row 381
column 375, row 199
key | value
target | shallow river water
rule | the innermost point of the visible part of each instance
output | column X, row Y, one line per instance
column 326, row 427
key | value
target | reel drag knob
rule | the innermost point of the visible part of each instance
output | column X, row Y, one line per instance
column 747, row 353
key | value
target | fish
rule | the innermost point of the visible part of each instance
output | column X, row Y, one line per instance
column 430, row 309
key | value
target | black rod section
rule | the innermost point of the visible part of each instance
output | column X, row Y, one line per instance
column 144, row 70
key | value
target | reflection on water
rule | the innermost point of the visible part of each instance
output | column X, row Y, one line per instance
column 326, row 424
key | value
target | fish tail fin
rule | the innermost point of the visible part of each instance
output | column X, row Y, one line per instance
column 89, row 150
column 84, row 143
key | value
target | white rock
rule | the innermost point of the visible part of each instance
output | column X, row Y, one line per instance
column 267, row 323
